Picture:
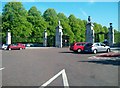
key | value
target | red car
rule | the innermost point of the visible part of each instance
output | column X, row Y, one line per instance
column 77, row 47
column 16, row 46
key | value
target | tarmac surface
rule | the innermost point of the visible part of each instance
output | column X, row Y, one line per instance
column 35, row 67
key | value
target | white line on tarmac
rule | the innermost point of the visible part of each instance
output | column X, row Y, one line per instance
column 2, row 68
column 65, row 80
column 103, row 58
column 64, row 76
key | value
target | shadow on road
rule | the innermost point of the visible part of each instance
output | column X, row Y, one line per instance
column 104, row 62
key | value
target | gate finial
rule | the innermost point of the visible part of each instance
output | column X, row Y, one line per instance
column 59, row 22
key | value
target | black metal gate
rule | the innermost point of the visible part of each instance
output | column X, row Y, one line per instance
column 65, row 40
column 51, row 41
column 97, row 39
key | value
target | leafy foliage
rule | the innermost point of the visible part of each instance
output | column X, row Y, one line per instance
column 117, row 37
column 28, row 26
column 65, row 24
column 38, row 24
column 14, row 18
column 51, row 18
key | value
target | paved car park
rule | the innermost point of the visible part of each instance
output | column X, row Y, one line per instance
column 35, row 67
column 1, row 68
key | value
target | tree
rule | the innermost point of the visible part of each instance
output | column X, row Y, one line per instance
column 51, row 18
column 85, row 22
column 66, row 27
column 101, row 35
column 82, row 25
column 38, row 23
column 1, row 27
column 29, row 26
column 106, row 32
column 0, row 18
column 96, row 28
column 34, row 12
column 75, row 27
column 117, row 36
column 14, row 18
column 105, row 29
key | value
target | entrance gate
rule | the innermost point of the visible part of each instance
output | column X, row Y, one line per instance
column 97, row 39
column 65, row 40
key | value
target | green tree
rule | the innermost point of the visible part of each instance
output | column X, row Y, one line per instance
column 101, row 35
column 75, row 27
column 82, row 25
column 106, row 32
column 14, row 18
column 117, row 36
column 51, row 18
column 85, row 22
column 0, row 28
column 38, row 23
column 66, row 27
column 96, row 28
column 105, row 29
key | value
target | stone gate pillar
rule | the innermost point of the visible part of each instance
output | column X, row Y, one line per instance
column 58, row 36
column 89, row 31
column 111, row 35
column 45, row 38
column 8, row 38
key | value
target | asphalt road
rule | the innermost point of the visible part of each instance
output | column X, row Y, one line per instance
column 0, row 68
column 34, row 67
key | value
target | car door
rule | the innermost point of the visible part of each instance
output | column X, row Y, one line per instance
column 19, row 46
column 103, row 47
column 88, row 47
column 98, row 47
column 14, row 46
column 80, row 46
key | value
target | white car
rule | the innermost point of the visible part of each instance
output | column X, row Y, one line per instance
column 28, row 45
column 96, row 47
column 4, row 46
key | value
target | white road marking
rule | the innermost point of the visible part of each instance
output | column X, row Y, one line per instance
column 64, row 76
column 103, row 58
column 65, row 80
column 2, row 68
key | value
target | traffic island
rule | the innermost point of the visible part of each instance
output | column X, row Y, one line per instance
column 111, row 58
column 110, row 54
column 106, row 56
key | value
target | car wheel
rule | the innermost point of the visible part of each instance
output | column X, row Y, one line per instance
column 20, row 48
column 9, row 48
column 95, row 51
column 79, row 50
column 108, row 50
